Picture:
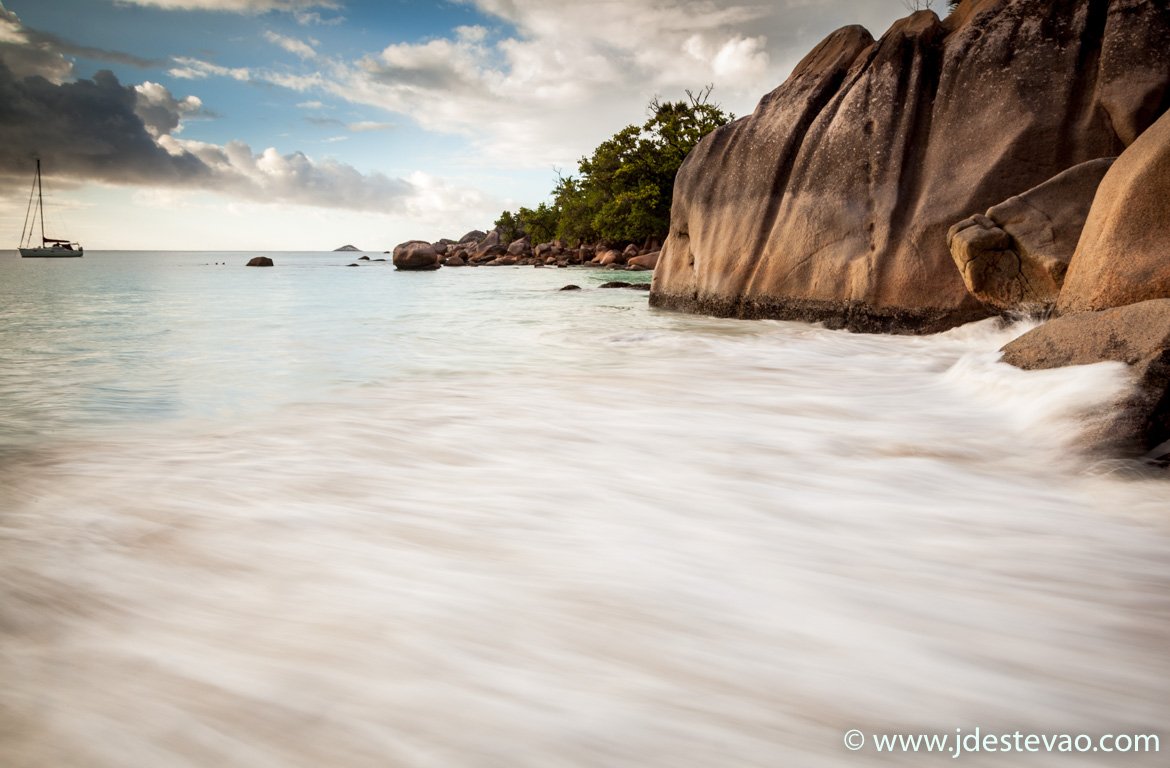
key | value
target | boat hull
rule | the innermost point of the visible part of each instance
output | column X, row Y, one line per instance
column 51, row 253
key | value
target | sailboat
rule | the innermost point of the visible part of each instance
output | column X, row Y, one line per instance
column 51, row 247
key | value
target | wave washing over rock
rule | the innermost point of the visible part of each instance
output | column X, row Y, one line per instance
column 505, row 525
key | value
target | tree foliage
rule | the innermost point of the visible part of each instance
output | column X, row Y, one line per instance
column 622, row 192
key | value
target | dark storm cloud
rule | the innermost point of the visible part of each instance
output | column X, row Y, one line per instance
column 103, row 130
column 61, row 45
column 86, row 128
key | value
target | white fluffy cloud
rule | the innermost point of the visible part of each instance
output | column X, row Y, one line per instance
column 291, row 44
column 234, row 6
column 553, row 77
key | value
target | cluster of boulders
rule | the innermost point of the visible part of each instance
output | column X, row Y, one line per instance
column 1012, row 159
column 833, row 200
column 486, row 249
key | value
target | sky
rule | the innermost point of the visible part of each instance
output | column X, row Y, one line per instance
column 311, row 124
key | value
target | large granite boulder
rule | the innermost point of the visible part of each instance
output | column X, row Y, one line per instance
column 1124, row 253
column 490, row 245
column 646, row 261
column 415, row 255
column 1014, row 258
column 832, row 201
column 1137, row 335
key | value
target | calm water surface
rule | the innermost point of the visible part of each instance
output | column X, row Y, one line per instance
column 320, row 515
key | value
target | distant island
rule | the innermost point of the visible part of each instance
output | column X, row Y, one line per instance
column 346, row 248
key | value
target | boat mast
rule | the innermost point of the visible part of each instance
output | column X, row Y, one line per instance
column 41, row 201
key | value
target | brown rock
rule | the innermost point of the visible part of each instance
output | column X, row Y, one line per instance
column 1137, row 335
column 648, row 261
column 606, row 258
column 832, row 201
column 570, row 288
column 1124, row 253
column 259, row 261
column 454, row 261
column 519, row 247
column 1014, row 259
column 415, row 255
column 489, row 244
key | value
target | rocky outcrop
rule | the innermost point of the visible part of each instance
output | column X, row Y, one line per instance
column 1124, row 253
column 259, row 261
column 1137, row 335
column 346, row 249
column 415, row 255
column 1014, row 258
column 832, row 201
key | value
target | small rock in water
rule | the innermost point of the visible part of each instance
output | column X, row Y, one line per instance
column 571, row 288
column 260, row 261
column 353, row 265
column 624, row 284
column 363, row 258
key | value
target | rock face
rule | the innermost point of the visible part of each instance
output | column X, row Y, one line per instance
column 415, row 255
column 1138, row 335
column 832, row 201
column 259, row 261
column 1124, row 253
column 1014, row 258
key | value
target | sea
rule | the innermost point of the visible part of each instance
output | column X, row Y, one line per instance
column 326, row 515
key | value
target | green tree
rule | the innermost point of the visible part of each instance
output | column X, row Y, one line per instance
column 540, row 224
column 508, row 225
column 628, row 181
column 622, row 192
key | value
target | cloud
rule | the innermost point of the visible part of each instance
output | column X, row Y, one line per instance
column 197, row 69
column 292, row 45
column 102, row 130
column 252, row 7
column 554, row 78
column 162, row 113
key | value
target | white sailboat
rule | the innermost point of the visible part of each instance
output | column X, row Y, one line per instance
column 51, row 247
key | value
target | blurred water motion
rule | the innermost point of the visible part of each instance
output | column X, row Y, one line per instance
column 467, row 521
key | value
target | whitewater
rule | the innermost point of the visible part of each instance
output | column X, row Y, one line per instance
column 323, row 515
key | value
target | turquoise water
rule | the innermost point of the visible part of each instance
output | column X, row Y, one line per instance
column 323, row 515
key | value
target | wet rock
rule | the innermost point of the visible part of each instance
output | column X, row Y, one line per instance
column 260, row 261
column 570, row 288
column 1137, row 335
column 415, row 255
